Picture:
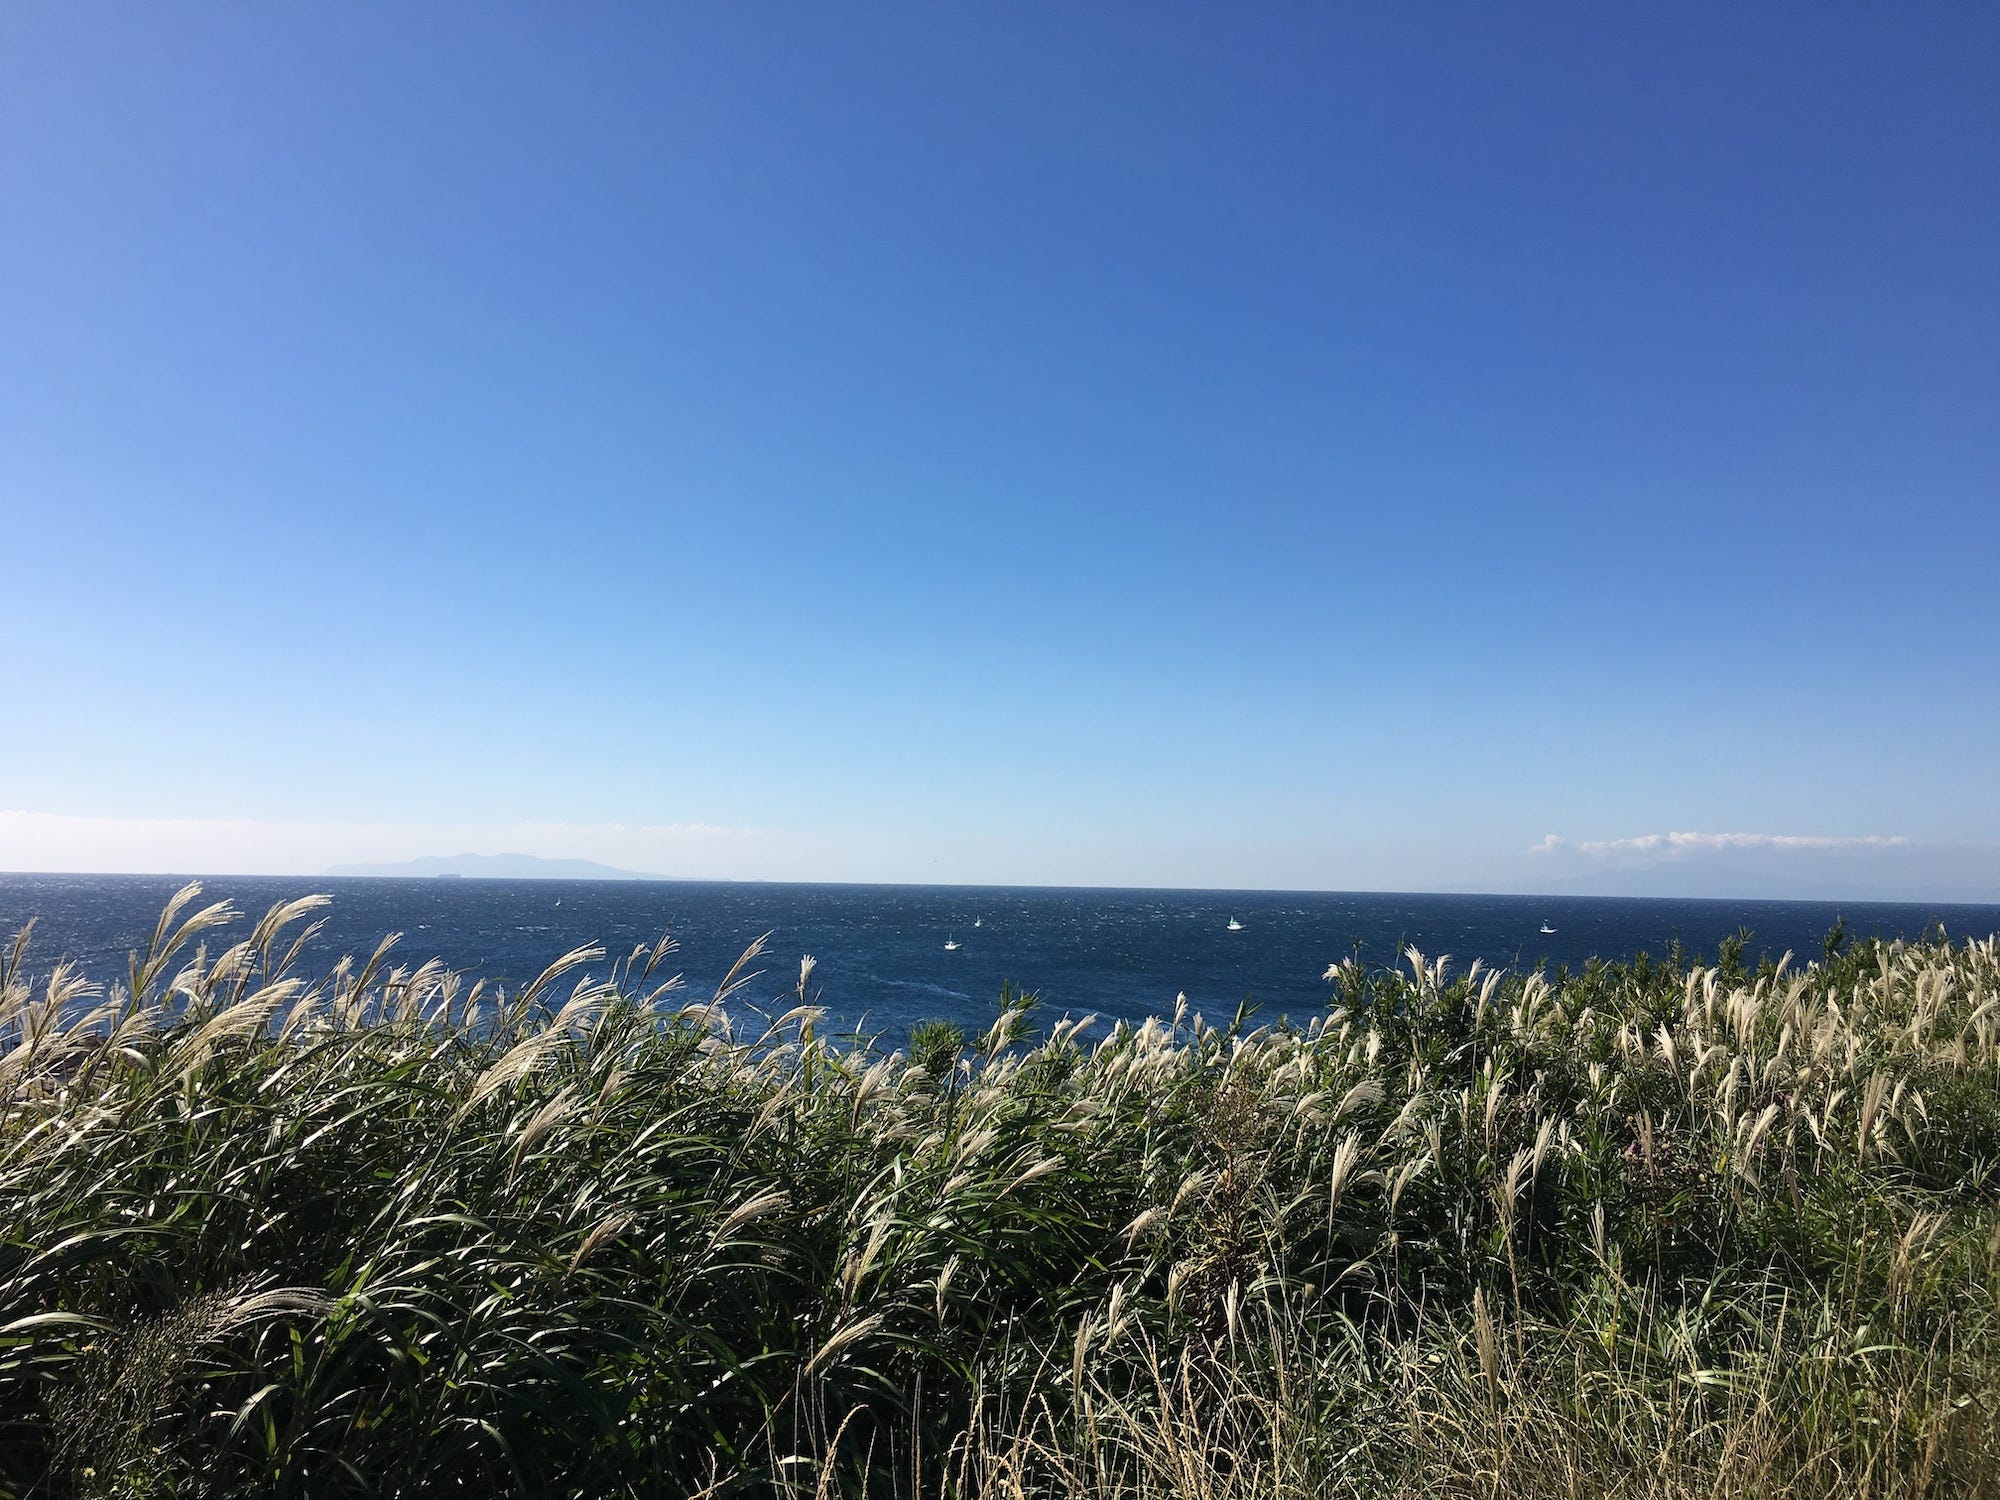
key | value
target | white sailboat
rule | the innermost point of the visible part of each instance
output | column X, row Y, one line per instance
column 1546, row 929
column 951, row 945
column 1234, row 925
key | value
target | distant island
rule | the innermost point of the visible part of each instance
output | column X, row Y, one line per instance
column 498, row 867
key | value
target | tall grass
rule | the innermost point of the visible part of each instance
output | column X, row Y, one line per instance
column 1650, row 1230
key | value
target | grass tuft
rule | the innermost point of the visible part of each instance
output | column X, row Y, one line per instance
column 1648, row 1230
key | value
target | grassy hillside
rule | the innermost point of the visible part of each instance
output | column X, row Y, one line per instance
column 1647, row 1230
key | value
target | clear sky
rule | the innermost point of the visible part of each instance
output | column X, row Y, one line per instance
column 1144, row 443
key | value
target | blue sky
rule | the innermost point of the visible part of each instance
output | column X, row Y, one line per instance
column 1139, row 443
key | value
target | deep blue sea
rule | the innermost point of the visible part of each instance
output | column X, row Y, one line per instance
column 882, row 961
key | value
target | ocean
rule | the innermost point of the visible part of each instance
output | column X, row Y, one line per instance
column 882, row 963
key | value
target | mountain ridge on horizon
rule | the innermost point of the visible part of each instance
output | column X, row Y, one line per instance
column 496, row 867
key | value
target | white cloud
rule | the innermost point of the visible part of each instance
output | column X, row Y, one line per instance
column 1666, row 846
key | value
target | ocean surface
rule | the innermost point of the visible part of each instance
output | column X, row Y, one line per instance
column 882, row 961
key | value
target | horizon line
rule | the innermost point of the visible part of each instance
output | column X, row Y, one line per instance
column 1989, row 900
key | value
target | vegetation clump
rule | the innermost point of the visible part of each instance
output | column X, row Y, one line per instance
column 1649, row 1230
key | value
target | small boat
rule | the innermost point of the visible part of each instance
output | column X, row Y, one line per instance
column 979, row 921
column 951, row 945
column 1546, row 929
column 1234, row 925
